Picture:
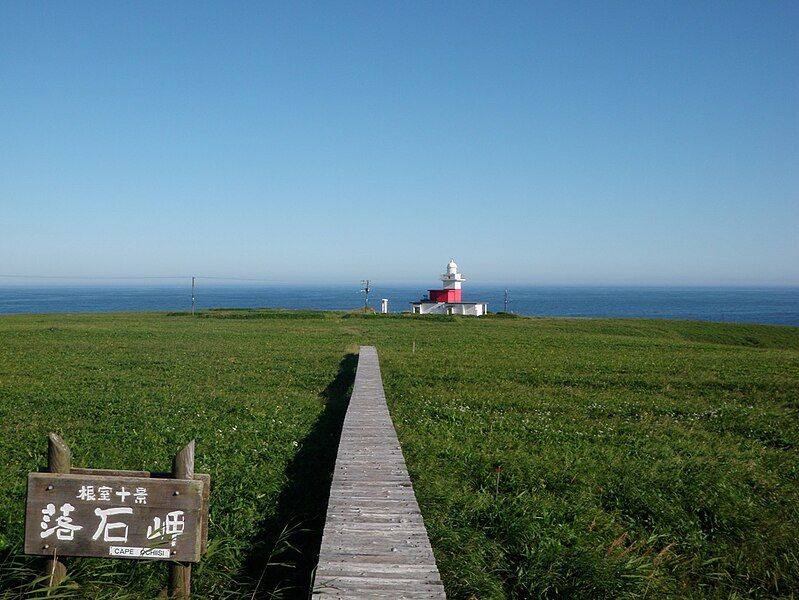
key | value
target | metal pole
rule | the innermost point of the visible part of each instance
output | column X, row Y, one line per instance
column 506, row 300
column 366, row 289
column 192, row 294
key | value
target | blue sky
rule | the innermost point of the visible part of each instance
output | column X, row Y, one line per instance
column 542, row 143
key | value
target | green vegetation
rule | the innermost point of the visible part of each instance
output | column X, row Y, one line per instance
column 566, row 458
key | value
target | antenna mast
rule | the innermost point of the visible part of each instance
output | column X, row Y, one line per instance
column 365, row 290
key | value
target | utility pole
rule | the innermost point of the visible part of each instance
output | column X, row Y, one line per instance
column 366, row 289
column 506, row 300
column 192, row 294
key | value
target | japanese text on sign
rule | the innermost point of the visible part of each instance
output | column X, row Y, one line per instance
column 125, row 517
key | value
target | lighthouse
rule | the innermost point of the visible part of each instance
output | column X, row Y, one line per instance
column 452, row 285
column 448, row 301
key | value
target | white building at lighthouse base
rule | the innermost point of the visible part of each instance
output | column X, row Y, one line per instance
column 447, row 301
column 471, row 309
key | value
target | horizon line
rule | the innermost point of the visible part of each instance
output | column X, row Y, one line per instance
column 179, row 281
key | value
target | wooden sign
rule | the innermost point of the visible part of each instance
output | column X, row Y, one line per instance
column 118, row 514
column 113, row 516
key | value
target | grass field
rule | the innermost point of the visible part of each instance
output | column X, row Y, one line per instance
column 551, row 457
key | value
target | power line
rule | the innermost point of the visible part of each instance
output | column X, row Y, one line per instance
column 139, row 278
column 193, row 278
column 240, row 279
column 93, row 277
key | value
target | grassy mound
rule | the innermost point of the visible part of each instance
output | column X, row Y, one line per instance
column 569, row 458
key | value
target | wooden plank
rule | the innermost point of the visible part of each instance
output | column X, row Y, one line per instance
column 206, row 505
column 110, row 472
column 374, row 543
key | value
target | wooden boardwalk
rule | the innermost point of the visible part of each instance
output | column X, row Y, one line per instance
column 374, row 544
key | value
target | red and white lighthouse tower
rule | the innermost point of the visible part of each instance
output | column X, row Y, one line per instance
column 452, row 285
column 448, row 300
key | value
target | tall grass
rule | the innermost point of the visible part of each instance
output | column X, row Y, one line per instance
column 553, row 458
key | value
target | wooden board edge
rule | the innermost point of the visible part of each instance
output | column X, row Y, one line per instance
column 204, row 509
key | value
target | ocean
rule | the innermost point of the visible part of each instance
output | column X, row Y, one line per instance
column 738, row 305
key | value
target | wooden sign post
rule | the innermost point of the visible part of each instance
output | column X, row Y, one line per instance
column 180, row 574
column 118, row 514
column 59, row 460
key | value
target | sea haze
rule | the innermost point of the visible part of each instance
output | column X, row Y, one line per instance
column 742, row 305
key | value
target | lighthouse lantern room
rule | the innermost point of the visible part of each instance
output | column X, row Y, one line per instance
column 448, row 301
